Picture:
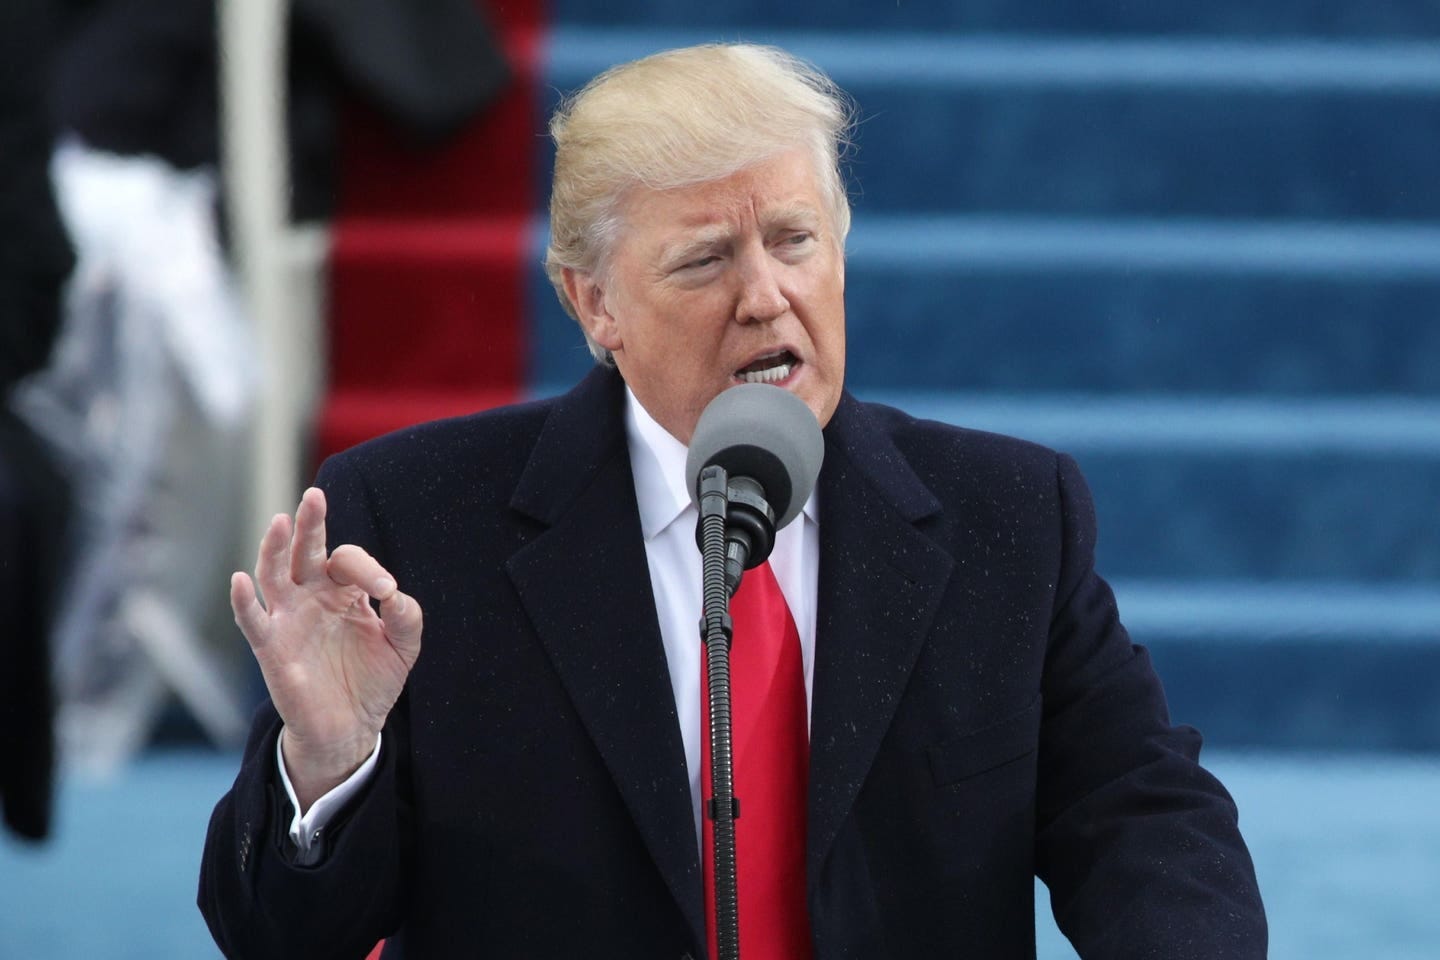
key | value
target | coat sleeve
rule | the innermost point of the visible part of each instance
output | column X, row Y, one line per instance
column 257, row 901
column 1138, row 844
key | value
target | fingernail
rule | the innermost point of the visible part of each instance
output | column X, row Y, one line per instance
column 384, row 587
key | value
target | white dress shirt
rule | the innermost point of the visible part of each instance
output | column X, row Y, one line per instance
column 667, row 521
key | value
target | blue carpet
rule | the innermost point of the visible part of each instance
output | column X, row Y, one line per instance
column 1346, row 848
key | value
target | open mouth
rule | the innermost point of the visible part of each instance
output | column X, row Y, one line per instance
column 769, row 369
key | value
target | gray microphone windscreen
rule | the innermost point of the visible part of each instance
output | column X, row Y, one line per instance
column 763, row 432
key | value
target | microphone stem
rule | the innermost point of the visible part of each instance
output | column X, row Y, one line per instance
column 716, row 630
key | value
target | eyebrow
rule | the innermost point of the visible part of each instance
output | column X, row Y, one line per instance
column 797, row 212
column 709, row 236
column 685, row 248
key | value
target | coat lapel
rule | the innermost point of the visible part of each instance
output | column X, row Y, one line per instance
column 585, row 585
column 879, row 584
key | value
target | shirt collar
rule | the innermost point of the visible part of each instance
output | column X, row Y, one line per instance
column 657, row 461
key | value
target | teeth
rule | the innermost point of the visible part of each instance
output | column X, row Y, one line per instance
column 768, row 375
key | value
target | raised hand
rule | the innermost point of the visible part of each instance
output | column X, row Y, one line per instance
column 334, row 668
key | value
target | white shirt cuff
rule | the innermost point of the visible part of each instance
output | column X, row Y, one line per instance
column 305, row 831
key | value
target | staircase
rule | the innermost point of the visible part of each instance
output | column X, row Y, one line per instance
column 1196, row 247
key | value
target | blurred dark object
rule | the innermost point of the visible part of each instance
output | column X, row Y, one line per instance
column 427, row 67
column 35, row 258
column 35, row 255
column 34, row 514
column 141, row 77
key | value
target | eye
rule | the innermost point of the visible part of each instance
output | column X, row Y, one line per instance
column 794, row 244
column 704, row 261
column 798, row 239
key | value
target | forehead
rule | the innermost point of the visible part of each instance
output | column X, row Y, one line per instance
column 777, row 190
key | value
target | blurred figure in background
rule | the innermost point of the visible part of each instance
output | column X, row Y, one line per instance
column 149, row 393
column 35, row 257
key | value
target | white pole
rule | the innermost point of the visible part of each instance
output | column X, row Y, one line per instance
column 257, row 183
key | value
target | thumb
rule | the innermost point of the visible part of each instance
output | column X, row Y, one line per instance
column 403, row 622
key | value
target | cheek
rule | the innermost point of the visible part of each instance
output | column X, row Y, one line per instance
column 826, row 317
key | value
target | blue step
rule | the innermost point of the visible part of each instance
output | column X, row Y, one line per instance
column 1321, row 515
column 1380, row 18
column 1083, row 127
column 1167, row 306
column 1228, row 489
column 1360, row 695
column 1093, row 306
column 1295, row 665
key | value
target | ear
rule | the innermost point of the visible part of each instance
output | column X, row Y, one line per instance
column 587, row 296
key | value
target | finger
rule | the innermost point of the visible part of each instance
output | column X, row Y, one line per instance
column 401, row 616
column 307, row 547
column 250, row 617
column 272, row 565
column 350, row 566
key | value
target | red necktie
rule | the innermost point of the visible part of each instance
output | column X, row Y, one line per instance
column 771, row 749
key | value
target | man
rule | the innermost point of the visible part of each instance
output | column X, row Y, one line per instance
column 977, row 715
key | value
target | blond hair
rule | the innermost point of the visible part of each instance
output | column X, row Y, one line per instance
column 679, row 118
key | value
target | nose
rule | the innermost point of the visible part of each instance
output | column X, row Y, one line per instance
column 760, row 299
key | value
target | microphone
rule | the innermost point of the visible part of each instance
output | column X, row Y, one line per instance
column 753, row 460
column 760, row 448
